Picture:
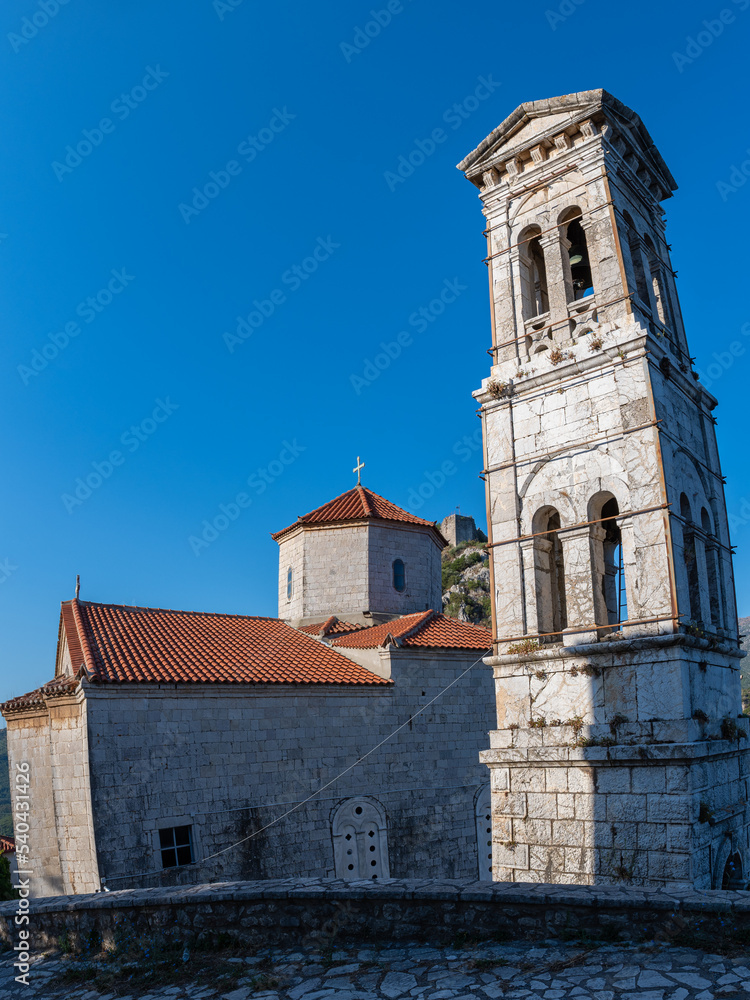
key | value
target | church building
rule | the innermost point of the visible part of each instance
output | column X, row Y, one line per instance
column 177, row 747
column 359, row 735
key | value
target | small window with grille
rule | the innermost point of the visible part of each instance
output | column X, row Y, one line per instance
column 176, row 845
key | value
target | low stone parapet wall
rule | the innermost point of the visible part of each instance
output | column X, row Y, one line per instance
column 325, row 911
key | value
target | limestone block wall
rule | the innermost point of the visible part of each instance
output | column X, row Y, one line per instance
column 645, row 815
column 29, row 743
column 695, row 492
column 641, row 239
column 581, row 189
column 318, row 912
column 72, row 794
column 643, row 689
column 547, row 447
column 457, row 528
column 229, row 760
column 420, row 553
column 292, row 556
column 346, row 570
column 622, row 761
column 336, row 570
column 54, row 742
column 630, row 432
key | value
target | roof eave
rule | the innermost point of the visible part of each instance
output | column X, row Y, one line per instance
column 580, row 105
column 354, row 521
column 524, row 113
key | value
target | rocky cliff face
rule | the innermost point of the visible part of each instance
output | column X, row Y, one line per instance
column 466, row 583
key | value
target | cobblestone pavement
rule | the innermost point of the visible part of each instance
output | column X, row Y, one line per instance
column 548, row 971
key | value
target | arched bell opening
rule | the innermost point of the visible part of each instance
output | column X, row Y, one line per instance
column 608, row 569
column 549, row 569
column 710, row 546
column 615, row 595
column 691, row 563
column 533, row 274
column 581, row 280
column 633, row 242
column 659, row 289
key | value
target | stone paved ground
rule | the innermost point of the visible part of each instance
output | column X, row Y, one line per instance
column 547, row 971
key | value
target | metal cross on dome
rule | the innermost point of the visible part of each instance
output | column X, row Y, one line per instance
column 358, row 469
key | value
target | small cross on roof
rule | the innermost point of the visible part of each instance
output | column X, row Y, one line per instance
column 358, row 469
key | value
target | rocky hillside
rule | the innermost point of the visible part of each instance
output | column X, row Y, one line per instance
column 466, row 583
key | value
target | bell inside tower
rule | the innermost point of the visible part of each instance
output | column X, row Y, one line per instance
column 578, row 257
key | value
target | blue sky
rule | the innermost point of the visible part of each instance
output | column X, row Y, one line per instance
column 123, row 277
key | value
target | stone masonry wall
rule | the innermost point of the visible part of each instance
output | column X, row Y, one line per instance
column 348, row 569
column 54, row 743
column 29, row 742
column 457, row 528
column 336, row 567
column 598, row 403
column 72, row 794
column 292, row 556
column 663, row 796
column 421, row 556
column 306, row 912
column 330, row 568
column 229, row 759
column 598, row 815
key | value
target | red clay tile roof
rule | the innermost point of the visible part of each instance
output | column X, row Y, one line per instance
column 425, row 630
column 7, row 844
column 359, row 504
column 126, row 644
column 331, row 626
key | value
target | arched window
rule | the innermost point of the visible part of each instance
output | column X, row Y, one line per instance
column 533, row 274
column 289, row 583
column 658, row 284
column 399, row 575
column 360, row 844
column 549, row 569
column 691, row 566
column 581, row 279
column 483, row 818
column 634, row 249
column 709, row 542
column 608, row 570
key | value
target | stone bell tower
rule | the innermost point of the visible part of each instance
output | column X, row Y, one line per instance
column 620, row 754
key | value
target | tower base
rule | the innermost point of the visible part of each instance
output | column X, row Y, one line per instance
column 608, row 798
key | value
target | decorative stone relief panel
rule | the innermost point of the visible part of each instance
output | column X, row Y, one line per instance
column 360, row 840
column 483, row 819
